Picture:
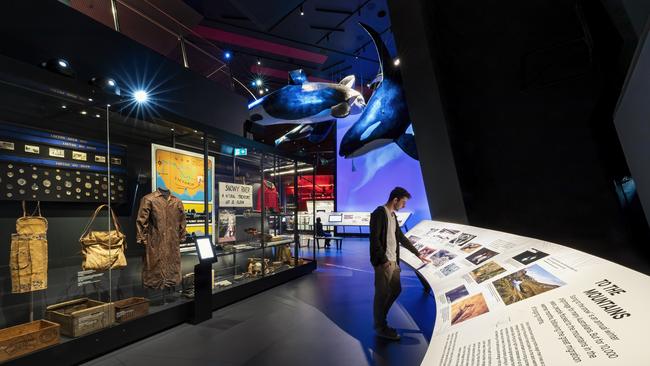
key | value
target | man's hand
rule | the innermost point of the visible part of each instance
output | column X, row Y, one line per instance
column 386, row 265
column 424, row 259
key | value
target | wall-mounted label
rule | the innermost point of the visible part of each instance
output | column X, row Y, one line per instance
column 32, row 149
column 235, row 195
column 57, row 153
column 241, row 151
column 4, row 145
column 78, row 155
column 116, row 161
column 100, row 159
column 88, row 277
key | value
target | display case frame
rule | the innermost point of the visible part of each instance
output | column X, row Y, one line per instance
column 31, row 80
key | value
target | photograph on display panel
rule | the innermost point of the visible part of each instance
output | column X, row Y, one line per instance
column 486, row 271
column 456, row 293
column 469, row 248
column 462, row 239
column 481, row 256
column 529, row 256
column 526, row 283
column 449, row 269
column 227, row 226
column 441, row 257
column 426, row 251
column 468, row 308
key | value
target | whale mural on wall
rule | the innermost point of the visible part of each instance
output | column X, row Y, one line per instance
column 386, row 118
column 312, row 106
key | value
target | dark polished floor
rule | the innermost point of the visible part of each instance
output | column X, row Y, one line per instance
column 324, row 318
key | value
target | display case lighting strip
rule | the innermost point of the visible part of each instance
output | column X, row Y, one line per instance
column 282, row 168
column 293, row 171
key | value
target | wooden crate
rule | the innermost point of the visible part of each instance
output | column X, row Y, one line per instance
column 26, row 338
column 81, row 316
column 131, row 308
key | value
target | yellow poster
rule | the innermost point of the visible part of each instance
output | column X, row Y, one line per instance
column 182, row 173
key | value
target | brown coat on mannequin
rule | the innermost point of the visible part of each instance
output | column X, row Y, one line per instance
column 161, row 228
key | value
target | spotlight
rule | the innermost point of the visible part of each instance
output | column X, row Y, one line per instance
column 261, row 91
column 259, row 62
column 84, row 112
column 141, row 96
column 266, row 89
column 258, row 82
column 97, row 115
column 227, row 55
column 253, row 83
column 64, row 106
column 396, row 62
column 90, row 99
column 106, row 84
column 302, row 11
column 59, row 66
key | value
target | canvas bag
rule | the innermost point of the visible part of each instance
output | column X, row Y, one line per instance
column 28, row 257
column 103, row 250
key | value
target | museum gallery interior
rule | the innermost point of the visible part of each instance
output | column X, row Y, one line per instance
column 187, row 182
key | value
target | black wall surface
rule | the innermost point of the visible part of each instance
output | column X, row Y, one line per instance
column 529, row 90
column 34, row 31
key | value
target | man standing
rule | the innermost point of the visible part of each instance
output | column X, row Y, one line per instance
column 385, row 237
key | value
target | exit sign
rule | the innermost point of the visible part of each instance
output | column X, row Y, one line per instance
column 241, row 151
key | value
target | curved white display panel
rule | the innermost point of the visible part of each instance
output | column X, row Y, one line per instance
column 504, row 299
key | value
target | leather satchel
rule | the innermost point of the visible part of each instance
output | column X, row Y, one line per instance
column 103, row 250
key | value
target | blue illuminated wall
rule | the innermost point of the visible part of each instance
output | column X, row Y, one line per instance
column 365, row 182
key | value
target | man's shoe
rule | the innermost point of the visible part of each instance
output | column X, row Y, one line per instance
column 388, row 333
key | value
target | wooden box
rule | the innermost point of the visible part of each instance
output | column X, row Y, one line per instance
column 81, row 316
column 26, row 338
column 131, row 308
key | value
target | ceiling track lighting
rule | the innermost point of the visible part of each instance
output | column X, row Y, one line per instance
column 106, row 84
column 59, row 66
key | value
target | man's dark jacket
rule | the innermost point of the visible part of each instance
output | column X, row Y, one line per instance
column 378, row 227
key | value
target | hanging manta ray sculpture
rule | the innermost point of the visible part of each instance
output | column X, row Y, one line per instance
column 386, row 118
column 312, row 106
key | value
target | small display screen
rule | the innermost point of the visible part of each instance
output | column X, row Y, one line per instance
column 335, row 218
column 204, row 248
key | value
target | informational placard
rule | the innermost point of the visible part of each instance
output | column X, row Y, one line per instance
column 355, row 218
column 182, row 173
column 235, row 195
column 321, row 206
column 504, row 299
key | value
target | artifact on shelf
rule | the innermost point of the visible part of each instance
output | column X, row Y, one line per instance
column 131, row 308
column 26, row 338
column 28, row 260
column 224, row 283
column 103, row 250
column 81, row 316
column 255, row 266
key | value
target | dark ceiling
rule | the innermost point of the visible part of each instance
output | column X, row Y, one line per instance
column 326, row 41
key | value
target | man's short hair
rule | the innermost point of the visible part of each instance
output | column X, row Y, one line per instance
column 318, row 219
column 399, row 193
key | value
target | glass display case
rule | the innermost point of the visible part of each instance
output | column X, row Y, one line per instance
column 102, row 200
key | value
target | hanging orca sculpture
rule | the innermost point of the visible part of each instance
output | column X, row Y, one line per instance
column 306, row 104
column 386, row 118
